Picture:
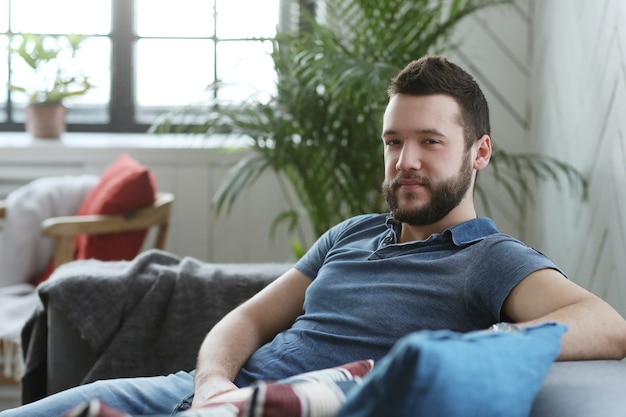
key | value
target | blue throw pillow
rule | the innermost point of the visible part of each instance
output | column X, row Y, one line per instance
column 449, row 374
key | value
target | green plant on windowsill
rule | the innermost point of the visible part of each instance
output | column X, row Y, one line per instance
column 49, row 57
column 321, row 130
column 47, row 63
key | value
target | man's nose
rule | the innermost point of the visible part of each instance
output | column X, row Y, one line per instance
column 409, row 158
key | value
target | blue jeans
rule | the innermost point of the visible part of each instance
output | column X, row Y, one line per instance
column 135, row 396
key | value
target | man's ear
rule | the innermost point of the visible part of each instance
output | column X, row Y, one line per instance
column 482, row 149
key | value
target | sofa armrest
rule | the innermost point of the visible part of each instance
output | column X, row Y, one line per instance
column 153, row 320
column 583, row 389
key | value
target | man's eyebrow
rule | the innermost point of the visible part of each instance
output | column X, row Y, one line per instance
column 428, row 131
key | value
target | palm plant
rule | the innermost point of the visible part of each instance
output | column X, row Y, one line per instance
column 321, row 130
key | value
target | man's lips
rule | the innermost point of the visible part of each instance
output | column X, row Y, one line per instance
column 412, row 187
column 410, row 183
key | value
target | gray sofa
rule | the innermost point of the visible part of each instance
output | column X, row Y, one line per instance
column 149, row 316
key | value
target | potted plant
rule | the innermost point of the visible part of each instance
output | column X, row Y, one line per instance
column 321, row 130
column 49, row 59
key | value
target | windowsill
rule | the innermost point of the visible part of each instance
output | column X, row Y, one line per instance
column 82, row 140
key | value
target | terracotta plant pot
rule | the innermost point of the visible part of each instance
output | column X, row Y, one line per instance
column 45, row 120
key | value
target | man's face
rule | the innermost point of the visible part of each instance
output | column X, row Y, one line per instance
column 427, row 170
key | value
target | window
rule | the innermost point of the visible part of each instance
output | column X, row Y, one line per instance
column 146, row 56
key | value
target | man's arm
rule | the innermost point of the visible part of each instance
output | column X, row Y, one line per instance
column 241, row 332
column 595, row 329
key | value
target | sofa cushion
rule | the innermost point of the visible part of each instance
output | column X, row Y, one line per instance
column 126, row 185
column 443, row 373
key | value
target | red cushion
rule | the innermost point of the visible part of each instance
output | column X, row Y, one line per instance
column 126, row 185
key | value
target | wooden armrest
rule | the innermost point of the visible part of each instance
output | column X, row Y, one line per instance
column 3, row 206
column 64, row 228
column 101, row 224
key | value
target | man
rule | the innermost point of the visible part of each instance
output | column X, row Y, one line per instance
column 430, row 264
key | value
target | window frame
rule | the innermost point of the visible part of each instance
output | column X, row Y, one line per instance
column 121, row 108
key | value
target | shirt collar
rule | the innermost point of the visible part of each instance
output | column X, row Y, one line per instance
column 471, row 231
column 461, row 234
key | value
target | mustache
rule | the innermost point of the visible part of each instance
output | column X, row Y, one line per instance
column 395, row 183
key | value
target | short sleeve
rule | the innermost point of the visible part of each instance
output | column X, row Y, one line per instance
column 501, row 264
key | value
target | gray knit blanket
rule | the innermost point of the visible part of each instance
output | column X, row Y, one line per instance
column 142, row 317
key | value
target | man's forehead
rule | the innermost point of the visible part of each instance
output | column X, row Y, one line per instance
column 421, row 114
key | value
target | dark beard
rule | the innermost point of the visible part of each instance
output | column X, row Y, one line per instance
column 445, row 196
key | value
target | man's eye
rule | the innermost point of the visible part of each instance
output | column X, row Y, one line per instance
column 392, row 142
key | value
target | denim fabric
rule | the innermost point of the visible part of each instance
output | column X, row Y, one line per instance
column 135, row 396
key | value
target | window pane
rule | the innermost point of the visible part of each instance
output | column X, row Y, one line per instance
column 247, row 18
column 173, row 72
column 94, row 59
column 192, row 18
column 245, row 69
column 61, row 16
column 4, row 15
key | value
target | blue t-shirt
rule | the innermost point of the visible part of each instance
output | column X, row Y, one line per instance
column 368, row 291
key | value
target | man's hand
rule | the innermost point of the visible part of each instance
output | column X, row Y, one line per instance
column 209, row 388
column 233, row 339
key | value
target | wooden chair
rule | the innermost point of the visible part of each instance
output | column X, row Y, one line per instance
column 63, row 229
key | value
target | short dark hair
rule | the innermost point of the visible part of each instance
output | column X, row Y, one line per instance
column 434, row 74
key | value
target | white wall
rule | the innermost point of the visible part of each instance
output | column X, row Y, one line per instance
column 579, row 115
column 554, row 73
column 494, row 45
